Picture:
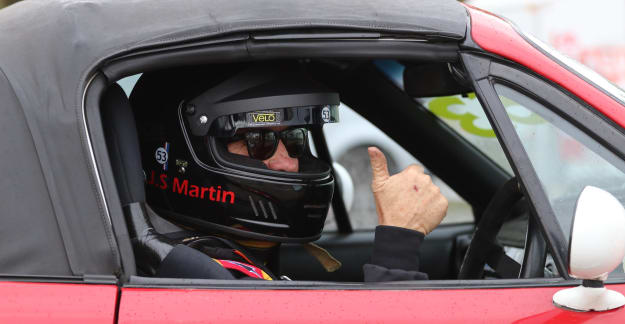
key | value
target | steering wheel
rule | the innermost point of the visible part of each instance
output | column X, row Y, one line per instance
column 484, row 249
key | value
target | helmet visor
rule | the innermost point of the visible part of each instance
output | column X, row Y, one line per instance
column 227, row 126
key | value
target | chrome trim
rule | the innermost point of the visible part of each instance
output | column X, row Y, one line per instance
column 95, row 165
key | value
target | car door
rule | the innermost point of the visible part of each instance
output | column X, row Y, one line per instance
column 308, row 304
column 45, row 299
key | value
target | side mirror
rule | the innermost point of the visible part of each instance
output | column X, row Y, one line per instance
column 596, row 247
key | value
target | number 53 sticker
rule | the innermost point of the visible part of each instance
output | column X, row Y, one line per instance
column 162, row 155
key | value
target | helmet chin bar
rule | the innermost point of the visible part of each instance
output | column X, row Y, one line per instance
column 237, row 232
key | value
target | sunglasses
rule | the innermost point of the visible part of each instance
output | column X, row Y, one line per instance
column 263, row 143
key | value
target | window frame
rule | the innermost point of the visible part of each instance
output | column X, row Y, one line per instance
column 124, row 67
column 486, row 72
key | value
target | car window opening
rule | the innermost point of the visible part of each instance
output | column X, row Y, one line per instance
column 347, row 147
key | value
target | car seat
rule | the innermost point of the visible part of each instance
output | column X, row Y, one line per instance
column 155, row 254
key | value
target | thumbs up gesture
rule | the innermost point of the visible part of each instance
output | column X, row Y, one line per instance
column 408, row 199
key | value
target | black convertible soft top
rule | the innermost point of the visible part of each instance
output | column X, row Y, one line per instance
column 54, row 220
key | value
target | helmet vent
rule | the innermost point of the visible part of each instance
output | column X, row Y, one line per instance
column 273, row 211
column 262, row 207
column 253, row 206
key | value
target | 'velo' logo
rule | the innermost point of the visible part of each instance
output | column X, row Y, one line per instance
column 264, row 117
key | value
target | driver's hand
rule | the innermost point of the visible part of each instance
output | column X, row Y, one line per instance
column 408, row 199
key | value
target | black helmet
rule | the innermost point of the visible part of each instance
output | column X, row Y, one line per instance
column 195, row 181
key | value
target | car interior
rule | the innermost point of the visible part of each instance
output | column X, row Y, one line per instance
column 500, row 213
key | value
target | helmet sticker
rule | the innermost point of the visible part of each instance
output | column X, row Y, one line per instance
column 325, row 114
column 263, row 118
column 184, row 188
column 162, row 155
column 182, row 165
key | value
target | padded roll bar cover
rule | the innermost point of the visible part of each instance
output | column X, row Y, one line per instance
column 123, row 145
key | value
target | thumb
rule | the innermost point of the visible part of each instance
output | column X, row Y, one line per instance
column 378, row 165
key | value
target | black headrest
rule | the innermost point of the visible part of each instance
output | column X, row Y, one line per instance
column 123, row 145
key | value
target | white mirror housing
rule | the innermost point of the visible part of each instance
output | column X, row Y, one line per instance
column 596, row 247
column 597, row 242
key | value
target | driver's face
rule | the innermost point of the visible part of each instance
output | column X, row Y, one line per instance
column 279, row 161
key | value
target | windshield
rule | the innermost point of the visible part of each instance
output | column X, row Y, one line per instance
column 463, row 113
column 590, row 75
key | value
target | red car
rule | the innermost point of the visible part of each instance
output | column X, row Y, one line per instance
column 512, row 127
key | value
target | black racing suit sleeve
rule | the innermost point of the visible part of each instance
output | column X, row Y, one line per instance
column 395, row 255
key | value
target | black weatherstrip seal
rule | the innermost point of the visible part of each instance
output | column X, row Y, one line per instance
column 84, row 279
column 241, row 48
column 479, row 69
column 216, row 284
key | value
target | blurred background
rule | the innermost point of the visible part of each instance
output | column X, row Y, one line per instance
column 4, row 3
column 591, row 32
